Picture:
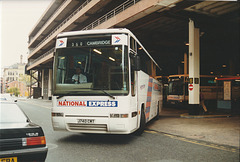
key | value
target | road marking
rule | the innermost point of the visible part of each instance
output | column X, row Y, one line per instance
column 51, row 146
column 197, row 142
column 37, row 104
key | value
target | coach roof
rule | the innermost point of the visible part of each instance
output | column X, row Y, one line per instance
column 97, row 31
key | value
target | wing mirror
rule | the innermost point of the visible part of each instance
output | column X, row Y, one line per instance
column 136, row 62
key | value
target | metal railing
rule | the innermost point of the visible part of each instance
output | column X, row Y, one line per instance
column 64, row 22
column 42, row 56
column 111, row 14
column 94, row 24
column 50, row 18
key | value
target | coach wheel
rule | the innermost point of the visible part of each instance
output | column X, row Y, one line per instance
column 157, row 117
column 142, row 123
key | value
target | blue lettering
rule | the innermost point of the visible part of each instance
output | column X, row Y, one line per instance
column 102, row 103
column 113, row 104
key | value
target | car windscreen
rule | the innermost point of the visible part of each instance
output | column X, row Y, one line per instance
column 11, row 113
column 175, row 88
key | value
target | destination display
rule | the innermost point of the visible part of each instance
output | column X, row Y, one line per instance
column 116, row 39
column 89, row 42
column 77, row 43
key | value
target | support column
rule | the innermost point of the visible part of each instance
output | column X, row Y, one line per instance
column 30, row 86
column 50, row 76
column 194, row 69
column 42, row 83
column 185, row 64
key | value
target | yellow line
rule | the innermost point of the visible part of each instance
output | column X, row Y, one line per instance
column 153, row 132
column 216, row 146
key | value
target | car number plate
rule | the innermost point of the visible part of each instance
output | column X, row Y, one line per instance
column 85, row 121
column 11, row 159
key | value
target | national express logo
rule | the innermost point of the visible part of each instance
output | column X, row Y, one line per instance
column 61, row 42
column 117, row 39
column 75, row 103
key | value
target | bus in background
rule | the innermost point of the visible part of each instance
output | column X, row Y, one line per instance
column 164, row 81
column 103, row 82
column 178, row 88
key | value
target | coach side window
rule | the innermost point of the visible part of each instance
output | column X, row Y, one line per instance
column 146, row 62
column 133, row 44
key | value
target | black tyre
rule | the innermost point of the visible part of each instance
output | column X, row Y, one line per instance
column 157, row 116
column 142, row 123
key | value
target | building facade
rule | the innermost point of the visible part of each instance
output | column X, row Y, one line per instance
column 14, row 77
column 14, row 72
column 23, row 89
column 155, row 18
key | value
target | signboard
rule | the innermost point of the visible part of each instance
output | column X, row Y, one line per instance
column 227, row 90
column 119, row 39
column 190, row 87
column 89, row 42
column 191, row 80
column 115, row 39
column 61, row 43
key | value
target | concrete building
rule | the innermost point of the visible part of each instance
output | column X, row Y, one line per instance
column 13, row 77
column 22, row 87
column 14, row 72
column 161, row 25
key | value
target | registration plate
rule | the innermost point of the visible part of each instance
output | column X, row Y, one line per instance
column 85, row 121
column 10, row 159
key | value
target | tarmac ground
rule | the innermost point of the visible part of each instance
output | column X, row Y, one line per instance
column 221, row 129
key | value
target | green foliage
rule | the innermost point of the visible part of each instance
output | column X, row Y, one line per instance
column 25, row 79
column 13, row 90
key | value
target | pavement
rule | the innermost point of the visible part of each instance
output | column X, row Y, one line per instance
column 221, row 129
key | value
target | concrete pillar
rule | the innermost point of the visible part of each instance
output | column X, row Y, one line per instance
column 30, row 87
column 194, row 65
column 50, row 78
column 42, row 82
column 185, row 64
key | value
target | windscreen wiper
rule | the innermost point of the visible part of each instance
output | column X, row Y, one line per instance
column 58, row 97
column 110, row 95
column 62, row 95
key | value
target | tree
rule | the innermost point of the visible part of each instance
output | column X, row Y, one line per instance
column 26, row 79
column 13, row 90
